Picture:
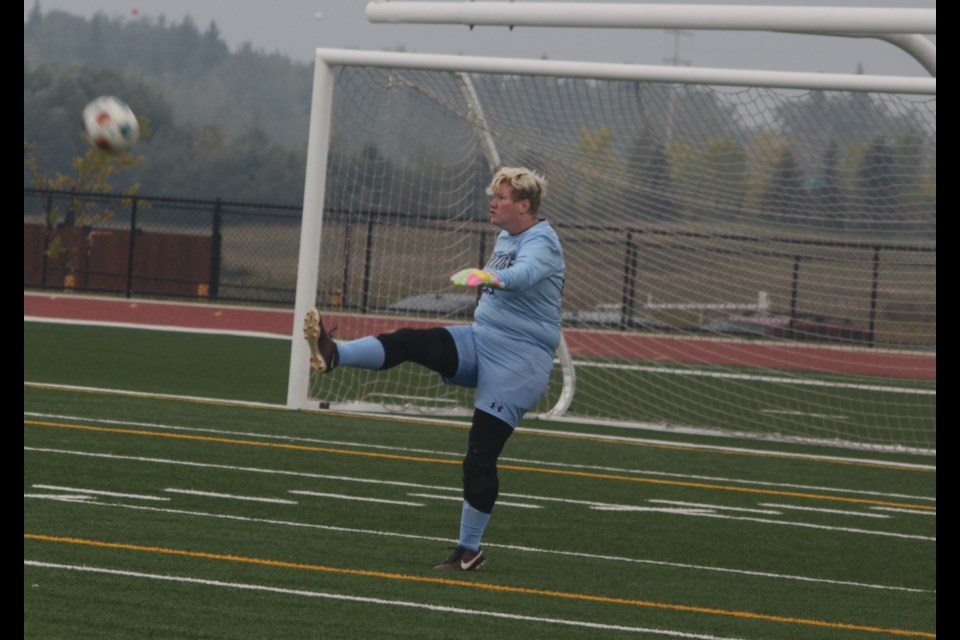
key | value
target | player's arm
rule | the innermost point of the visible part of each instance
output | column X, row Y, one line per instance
column 536, row 259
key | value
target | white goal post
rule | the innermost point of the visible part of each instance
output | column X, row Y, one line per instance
column 691, row 189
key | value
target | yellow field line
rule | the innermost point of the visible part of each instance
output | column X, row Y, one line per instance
column 566, row 595
column 521, row 432
column 560, row 472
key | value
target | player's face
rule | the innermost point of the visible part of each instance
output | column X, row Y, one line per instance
column 507, row 213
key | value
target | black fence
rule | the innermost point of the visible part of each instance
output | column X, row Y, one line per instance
column 153, row 246
column 877, row 293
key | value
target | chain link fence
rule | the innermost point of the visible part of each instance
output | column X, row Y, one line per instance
column 659, row 281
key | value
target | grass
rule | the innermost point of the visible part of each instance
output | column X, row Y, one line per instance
column 188, row 518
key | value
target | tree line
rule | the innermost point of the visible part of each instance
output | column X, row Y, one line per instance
column 219, row 123
column 234, row 125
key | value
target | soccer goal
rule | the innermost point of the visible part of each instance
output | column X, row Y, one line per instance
column 747, row 252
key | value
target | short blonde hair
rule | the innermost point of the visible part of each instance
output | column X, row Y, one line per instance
column 527, row 185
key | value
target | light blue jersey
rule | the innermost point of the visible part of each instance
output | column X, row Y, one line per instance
column 507, row 354
column 530, row 267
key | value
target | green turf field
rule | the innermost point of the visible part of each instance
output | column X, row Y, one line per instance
column 169, row 517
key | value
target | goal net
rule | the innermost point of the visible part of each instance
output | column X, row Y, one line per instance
column 741, row 259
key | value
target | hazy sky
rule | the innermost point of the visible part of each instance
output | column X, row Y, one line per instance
column 291, row 27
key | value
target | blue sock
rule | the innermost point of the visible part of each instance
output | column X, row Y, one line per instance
column 472, row 525
column 365, row 353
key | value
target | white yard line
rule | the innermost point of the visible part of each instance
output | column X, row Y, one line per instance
column 500, row 503
column 58, row 497
column 524, row 549
column 840, row 512
column 752, row 377
column 526, row 428
column 714, row 507
column 229, row 496
column 112, row 494
column 692, row 512
column 342, row 496
column 910, row 511
column 361, row 445
column 375, row 601
column 158, row 327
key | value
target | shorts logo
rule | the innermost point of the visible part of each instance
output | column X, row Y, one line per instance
column 498, row 407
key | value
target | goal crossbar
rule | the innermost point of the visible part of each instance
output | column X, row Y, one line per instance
column 817, row 20
column 640, row 73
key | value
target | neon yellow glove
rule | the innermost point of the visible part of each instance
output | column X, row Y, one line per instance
column 475, row 278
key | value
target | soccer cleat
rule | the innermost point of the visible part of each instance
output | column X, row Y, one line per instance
column 323, row 350
column 463, row 560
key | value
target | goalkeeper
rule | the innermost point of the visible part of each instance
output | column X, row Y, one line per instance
column 506, row 354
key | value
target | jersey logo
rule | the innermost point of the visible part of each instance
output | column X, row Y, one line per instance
column 501, row 261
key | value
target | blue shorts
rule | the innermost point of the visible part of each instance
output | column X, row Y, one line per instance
column 509, row 373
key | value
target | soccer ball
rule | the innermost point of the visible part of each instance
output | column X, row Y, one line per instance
column 110, row 124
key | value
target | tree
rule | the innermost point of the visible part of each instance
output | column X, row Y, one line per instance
column 598, row 166
column 725, row 173
column 648, row 179
column 67, row 240
column 827, row 195
column 877, row 183
column 784, row 197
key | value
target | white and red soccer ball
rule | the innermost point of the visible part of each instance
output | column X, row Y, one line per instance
column 110, row 124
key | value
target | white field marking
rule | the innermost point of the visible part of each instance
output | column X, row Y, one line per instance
column 376, row 601
column 227, row 467
column 312, row 475
column 73, row 497
column 158, row 327
column 773, row 453
column 508, row 459
column 422, row 399
column 318, row 476
column 134, row 302
column 579, row 363
column 147, row 394
column 526, row 429
column 806, row 414
column 625, row 507
column 759, row 378
column 523, row 549
column 869, row 532
column 229, row 496
column 714, row 507
column 500, row 503
column 341, row 496
column 112, row 494
column 369, row 414
column 910, row 511
column 247, row 434
column 841, row 512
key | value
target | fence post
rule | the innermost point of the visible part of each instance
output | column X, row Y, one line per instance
column 794, row 287
column 874, row 287
column 482, row 256
column 367, row 258
column 216, row 244
column 131, row 247
column 344, row 287
column 628, row 302
column 46, row 242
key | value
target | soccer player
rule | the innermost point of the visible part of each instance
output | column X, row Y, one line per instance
column 506, row 354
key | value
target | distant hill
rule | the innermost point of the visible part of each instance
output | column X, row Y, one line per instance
column 219, row 121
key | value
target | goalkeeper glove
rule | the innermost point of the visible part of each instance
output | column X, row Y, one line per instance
column 475, row 278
